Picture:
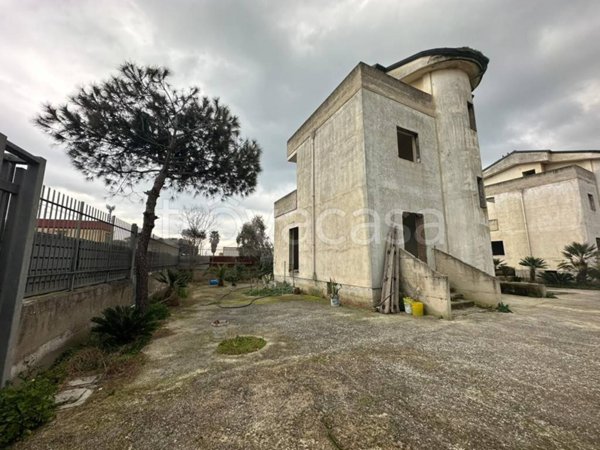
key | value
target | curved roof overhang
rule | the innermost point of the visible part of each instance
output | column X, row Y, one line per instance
column 472, row 62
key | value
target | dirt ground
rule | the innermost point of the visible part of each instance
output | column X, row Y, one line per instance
column 353, row 379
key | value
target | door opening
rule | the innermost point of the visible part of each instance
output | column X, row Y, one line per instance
column 414, row 235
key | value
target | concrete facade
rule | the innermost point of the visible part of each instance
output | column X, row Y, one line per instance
column 353, row 185
column 538, row 213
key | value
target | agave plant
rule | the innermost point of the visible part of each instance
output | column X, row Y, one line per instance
column 533, row 263
column 579, row 257
column 123, row 325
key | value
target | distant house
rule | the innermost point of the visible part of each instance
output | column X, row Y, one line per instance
column 231, row 251
column 541, row 200
column 89, row 230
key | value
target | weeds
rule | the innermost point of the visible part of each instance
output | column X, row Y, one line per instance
column 503, row 308
column 279, row 289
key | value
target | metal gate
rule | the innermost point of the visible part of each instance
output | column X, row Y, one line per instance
column 21, row 176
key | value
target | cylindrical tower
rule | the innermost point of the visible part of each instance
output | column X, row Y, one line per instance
column 450, row 75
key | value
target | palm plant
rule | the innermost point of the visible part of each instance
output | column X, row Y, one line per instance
column 533, row 263
column 176, row 282
column 123, row 325
column 557, row 278
column 578, row 259
column 220, row 272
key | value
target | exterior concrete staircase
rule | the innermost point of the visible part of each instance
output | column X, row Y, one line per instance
column 458, row 301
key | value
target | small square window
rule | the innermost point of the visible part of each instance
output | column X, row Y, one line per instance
column 592, row 202
column 471, row 111
column 408, row 145
column 493, row 224
column 498, row 248
column 528, row 172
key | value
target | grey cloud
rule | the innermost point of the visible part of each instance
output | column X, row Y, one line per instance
column 274, row 62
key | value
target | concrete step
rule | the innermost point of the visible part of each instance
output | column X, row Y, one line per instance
column 461, row 304
column 456, row 296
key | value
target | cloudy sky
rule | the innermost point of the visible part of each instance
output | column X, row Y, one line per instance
column 274, row 62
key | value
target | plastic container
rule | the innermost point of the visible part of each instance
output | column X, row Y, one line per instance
column 417, row 309
column 213, row 282
column 408, row 305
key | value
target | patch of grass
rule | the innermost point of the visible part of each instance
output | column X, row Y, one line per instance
column 503, row 308
column 240, row 345
column 280, row 289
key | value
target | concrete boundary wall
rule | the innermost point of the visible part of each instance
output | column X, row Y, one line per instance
column 422, row 283
column 50, row 323
column 473, row 283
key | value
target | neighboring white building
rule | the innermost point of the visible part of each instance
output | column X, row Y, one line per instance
column 541, row 200
column 393, row 144
column 231, row 251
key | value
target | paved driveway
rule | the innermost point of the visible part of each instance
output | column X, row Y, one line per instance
column 353, row 379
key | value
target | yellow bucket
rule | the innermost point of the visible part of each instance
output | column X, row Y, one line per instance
column 417, row 309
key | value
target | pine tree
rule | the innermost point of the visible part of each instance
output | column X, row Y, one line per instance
column 135, row 128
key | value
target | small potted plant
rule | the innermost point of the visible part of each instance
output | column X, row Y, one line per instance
column 333, row 289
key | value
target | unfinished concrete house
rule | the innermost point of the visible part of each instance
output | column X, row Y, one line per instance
column 392, row 146
column 541, row 200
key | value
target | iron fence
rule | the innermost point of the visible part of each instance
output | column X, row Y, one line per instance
column 77, row 245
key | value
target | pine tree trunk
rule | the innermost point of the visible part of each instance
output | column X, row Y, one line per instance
column 532, row 274
column 141, row 255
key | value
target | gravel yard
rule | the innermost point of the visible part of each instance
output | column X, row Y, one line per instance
column 353, row 379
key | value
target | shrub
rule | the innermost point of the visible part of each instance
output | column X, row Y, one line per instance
column 158, row 311
column 124, row 325
column 220, row 272
column 240, row 345
column 25, row 407
column 557, row 278
column 502, row 307
column 176, row 282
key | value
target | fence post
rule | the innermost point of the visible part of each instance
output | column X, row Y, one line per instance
column 75, row 260
column 133, row 245
column 15, row 258
column 110, row 247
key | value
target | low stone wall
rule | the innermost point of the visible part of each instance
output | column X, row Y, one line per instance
column 525, row 289
column 421, row 282
column 50, row 323
column 473, row 283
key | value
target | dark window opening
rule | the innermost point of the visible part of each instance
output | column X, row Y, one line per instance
column 414, row 235
column 408, row 145
column 498, row 248
column 528, row 172
column 471, row 110
column 592, row 202
column 597, row 243
column 294, row 249
column 481, row 191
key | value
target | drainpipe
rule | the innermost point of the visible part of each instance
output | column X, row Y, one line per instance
column 525, row 222
column 314, row 219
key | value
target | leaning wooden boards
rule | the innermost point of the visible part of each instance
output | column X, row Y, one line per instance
column 390, row 284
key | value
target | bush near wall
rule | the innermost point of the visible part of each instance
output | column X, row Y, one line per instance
column 525, row 289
